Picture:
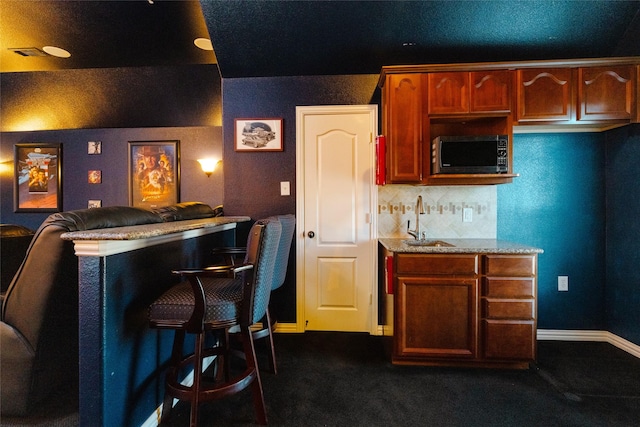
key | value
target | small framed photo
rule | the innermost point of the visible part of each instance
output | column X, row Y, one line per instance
column 154, row 173
column 258, row 135
column 95, row 177
column 94, row 204
column 37, row 183
column 94, row 147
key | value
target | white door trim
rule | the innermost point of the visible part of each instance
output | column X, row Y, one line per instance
column 301, row 112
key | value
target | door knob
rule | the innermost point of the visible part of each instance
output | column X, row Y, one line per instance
column 311, row 234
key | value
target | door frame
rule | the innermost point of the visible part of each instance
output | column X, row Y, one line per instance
column 301, row 112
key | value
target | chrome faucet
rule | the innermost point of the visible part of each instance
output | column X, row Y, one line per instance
column 419, row 211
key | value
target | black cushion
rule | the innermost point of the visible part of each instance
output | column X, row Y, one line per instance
column 107, row 217
column 184, row 211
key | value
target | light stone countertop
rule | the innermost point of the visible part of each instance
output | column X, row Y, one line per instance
column 145, row 231
column 488, row 246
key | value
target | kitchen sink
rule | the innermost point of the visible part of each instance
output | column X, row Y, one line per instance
column 433, row 243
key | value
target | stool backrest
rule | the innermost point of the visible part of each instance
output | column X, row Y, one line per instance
column 262, row 249
column 288, row 223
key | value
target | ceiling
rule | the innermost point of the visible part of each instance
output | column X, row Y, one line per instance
column 295, row 38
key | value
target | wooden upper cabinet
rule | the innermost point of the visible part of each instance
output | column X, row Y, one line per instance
column 403, row 105
column 470, row 92
column 491, row 91
column 448, row 93
column 544, row 94
column 607, row 93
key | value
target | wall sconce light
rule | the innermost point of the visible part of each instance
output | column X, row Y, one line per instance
column 6, row 168
column 208, row 165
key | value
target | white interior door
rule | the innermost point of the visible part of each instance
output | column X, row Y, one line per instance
column 336, row 195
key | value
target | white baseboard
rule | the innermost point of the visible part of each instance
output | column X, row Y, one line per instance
column 582, row 335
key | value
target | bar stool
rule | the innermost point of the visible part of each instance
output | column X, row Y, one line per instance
column 231, row 254
column 206, row 302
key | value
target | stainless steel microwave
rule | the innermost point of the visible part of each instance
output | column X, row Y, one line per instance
column 483, row 154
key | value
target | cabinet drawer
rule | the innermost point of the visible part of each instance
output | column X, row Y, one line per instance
column 510, row 265
column 508, row 288
column 508, row 309
column 509, row 339
column 466, row 264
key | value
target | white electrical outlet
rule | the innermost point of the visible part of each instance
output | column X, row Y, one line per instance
column 285, row 188
column 467, row 215
column 563, row 283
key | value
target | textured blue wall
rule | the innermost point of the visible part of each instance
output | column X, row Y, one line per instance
column 252, row 180
column 558, row 204
column 623, row 233
column 195, row 142
column 129, row 97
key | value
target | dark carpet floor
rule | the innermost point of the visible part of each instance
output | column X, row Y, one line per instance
column 346, row 379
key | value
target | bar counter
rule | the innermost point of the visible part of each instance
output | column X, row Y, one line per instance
column 121, row 271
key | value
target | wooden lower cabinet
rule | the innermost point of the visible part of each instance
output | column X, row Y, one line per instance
column 465, row 309
column 425, row 301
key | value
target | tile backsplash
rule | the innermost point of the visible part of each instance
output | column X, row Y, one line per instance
column 443, row 207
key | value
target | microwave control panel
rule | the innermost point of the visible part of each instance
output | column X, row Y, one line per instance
column 502, row 155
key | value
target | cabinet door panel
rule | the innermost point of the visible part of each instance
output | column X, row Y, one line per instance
column 491, row 91
column 503, row 339
column 436, row 317
column 544, row 95
column 404, row 128
column 606, row 93
column 448, row 93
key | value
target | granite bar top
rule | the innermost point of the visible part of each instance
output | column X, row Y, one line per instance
column 146, row 231
column 488, row 246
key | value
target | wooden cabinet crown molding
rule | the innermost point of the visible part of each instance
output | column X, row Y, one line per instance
column 509, row 65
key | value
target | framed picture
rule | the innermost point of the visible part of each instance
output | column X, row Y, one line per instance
column 94, row 147
column 258, row 135
column 94, row 204
column 154, row 173
column 38, row 180
column 94, row 177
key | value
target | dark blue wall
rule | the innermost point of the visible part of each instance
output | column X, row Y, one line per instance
column 112, row 105
column 131, row 97
column 558, row 204
column 252, row 180
column 561, row 202
column 195, row 142
column 623, row 232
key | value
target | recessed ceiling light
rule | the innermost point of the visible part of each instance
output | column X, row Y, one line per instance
column 56, row 51
column 204, row 44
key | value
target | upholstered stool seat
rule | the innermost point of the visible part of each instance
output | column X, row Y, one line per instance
column 223, row 301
